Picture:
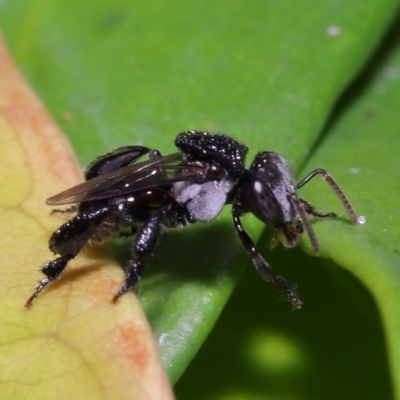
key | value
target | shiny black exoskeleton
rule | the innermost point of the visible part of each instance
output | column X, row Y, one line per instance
column 124, row 197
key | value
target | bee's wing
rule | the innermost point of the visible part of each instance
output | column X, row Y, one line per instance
column 130, row 179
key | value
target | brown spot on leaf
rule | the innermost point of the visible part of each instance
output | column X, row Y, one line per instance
column 134, row 341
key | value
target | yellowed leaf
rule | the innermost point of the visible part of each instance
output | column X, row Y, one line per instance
column 73, row 343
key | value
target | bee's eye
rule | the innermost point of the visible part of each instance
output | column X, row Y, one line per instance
column 263, row 203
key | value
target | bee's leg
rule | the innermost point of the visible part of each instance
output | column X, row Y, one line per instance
column 141, row 248
column 68, row 210
column 312, row 211
column 335, row 187
column 67, row 241
column 262, row 267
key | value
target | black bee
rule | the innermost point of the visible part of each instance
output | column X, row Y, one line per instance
column 124, row 197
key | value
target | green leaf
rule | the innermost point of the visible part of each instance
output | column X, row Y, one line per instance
column 340, row 336
column 118, row 73
column 364, row 136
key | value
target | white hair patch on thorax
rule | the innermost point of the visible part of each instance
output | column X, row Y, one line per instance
column 204, row 201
